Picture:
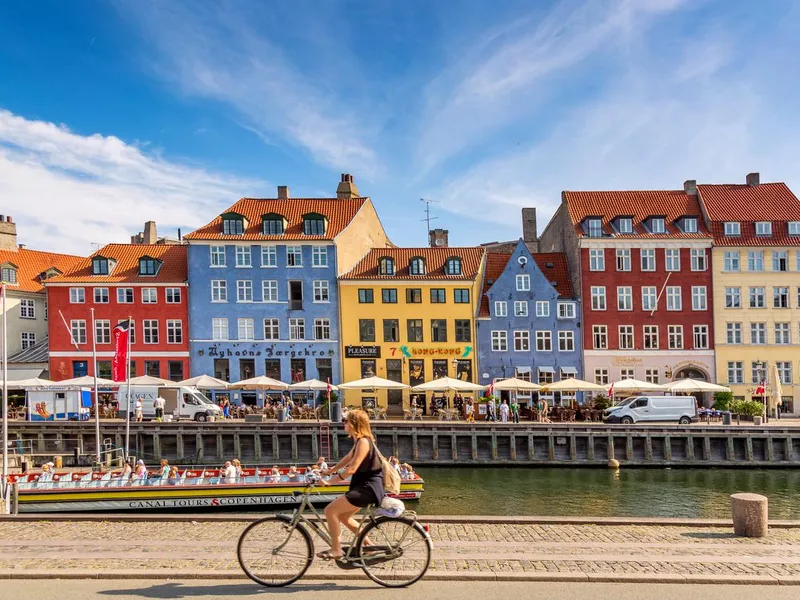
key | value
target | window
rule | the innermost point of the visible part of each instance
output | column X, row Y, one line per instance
column 366, row 330
column 269, row 256
column 414, row 296
column 794, row 227
column 757, row 297
column 521, row 308
column 417, row 266
column 784, row 371
column 733, row 333
column 566, row 341
column 566, row 310
column 780, row 297
column 314, row 225
column 699, row 298
column 386, row 266
column 102, row 331
column 244, row 258
column 101, row 296
column 674, row 300
column 319, row 256
column 463, row 330
column 522, row 341
column 523, row 283
column 438, row 296
column 649, row 297
column 149, row 295
column 389, row 296
column 601, row 376
column 414, row 330
column 595, row 227
column 272, row 330
column 651, row 337
column 651, row 376
column 763, row 228
column 624, row 260
column 544, row 341
column 27, row 308
column 624, row 297
column 124, row 295
column 648, row 259
column 499, row 341
column 782, row 333
column 597, row 261
column 322, row 292
column 736, row 371
column 174, row 331
column 542, row 308
column 28, row 339
column 219, row 329
column 599, row 337
column 366, row 296
column 297, row 329
column 294, row 256
column 598, row 297
column 244, row 290
column 733, row 297
column 150, row 328
column 699, row 262
column 461, row 296
column 322, row 329
column 173, row 295
column 733, row 228
column 99, row 266
column 219, row 290
column 104, row 369
column 77, row 295
column 453, row 266
column 501, row 307
column 272, row 224
column 758, row 372
column 689, row 225
column 780, row 260
column 701, row 337
column 148, row 266
column 755, row 260
column 657, row 225
column 438, row 330
column 626, row 337
column 232, row 226
column 78, row 330
column 758, row 333
column 731, row 261
column 675, row 337
column 625, row 225
column 391, row 330
column 672, row 259
column 217, row 256
column 9, row 275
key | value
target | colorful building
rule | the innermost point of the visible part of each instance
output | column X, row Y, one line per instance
column 528, row 324
column 756, row 268
column 641, row 262
column 408, row 315
column 263, row 276
column 146, row 282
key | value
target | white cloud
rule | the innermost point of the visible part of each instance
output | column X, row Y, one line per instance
column 67, row 191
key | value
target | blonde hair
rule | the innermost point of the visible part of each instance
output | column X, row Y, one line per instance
column 359, row 424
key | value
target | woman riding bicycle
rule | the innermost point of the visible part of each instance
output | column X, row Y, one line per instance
column 366, row 486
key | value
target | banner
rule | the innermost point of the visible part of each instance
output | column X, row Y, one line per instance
column 119, row 366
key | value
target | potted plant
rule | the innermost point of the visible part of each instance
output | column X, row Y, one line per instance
column 722, row 401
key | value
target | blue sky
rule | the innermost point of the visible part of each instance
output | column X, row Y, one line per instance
column 112, row 113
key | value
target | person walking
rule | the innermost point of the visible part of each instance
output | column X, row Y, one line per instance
column 490, row 411
column 504, row 412
column 470, row 411
column 159, row 404
column 514, row 410
column 139, row 414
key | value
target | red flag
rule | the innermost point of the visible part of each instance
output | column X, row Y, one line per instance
column 611, row 390
column 119, row 366
column 761, row 390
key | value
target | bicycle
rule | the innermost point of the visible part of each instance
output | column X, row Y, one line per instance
column 277, row 550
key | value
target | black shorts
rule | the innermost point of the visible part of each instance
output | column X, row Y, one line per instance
column 361, row 496
column 159, row 413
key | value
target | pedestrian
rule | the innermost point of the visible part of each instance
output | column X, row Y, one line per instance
column 491, row 410
column 226, row 408
column 139, row 413
column 470, row 411
column 514, row 410
column 159, row 404
column 504, row 412
column 289, row 407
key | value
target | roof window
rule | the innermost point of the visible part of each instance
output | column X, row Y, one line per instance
column 733, row 228
column 794, row 227
column 625, row 225
column 100, row 265
column 690, row 225
column 657, row 225
column 453, row 266
column 764, row 228
column 148, row 266
column 233, row 224
column 417, row 266
column 386, row 266
column 273, row 224
column 8, row 274
column 594, row 227
column 313, row 224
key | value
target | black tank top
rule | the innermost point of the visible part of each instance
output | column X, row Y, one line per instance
column 371, row 462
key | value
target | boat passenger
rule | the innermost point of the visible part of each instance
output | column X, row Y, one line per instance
column 141, row 470
column 276, row 475
column 294, row 476
column 126, row 471
column 321, row 464
column 238, row 466
column 404, row 470
column 395, row 462
column 47, row 473
column 410, row 472
column 164, row 468
column 228, row 473
column 174, row 478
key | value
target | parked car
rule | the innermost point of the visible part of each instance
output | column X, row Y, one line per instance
column 635, row 409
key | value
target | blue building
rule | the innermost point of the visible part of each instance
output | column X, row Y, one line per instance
column 528, row 323
column 263, row 294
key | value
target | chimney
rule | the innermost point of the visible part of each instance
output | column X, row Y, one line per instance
column 8, row 233
column 283, row 192
column 150, row 233
column 753, row 179
column 347, row 188
column 529, row 233
column 690, row 187
column 437, row 238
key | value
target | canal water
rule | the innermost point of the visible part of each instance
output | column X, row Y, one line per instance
column 688, row 493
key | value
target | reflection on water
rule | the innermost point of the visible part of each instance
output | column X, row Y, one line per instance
column 690, row 493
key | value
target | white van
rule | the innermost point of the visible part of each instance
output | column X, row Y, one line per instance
column 181, row 402
column 682, row 409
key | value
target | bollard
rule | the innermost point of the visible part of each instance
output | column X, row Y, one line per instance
column 58, row 462
column 613, row 464
column 15, row 498
column 750, row 515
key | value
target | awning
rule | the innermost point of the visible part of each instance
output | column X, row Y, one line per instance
column 569, row 370
column 546, row 370
column 17, row 374
column 523, row 369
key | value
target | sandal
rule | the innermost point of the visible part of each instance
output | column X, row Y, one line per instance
column 327, row 555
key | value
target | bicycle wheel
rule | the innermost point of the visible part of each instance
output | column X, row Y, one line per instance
column 272, row 553
column 400, row 552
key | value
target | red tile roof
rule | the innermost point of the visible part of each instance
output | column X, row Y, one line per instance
column 32, row 263
column 671, row 204
column 435, row 259
column 126, row 270
column 338, row 212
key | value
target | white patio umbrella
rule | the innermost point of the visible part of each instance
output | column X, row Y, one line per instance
column 512, row 384
column 636, row 385
column 204, row 382
column 695, row 385
column 575, row 385
column 312, row 384
column 447, row 384
column 86, row 381
column 373, row 383
column 33, row 382
column 259, row 383
column 151, row 381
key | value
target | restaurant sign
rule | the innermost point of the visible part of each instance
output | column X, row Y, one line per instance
column 362, row 351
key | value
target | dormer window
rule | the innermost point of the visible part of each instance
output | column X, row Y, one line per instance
column 733, row 228
column 313, row 224
column 657, row 225
column 594, row 227
column 417, row 266
column 453, row 266
column 386, row 266
column 794, row 227
column 764, row 228
column 273, row 224
column 625, row 225
column 689, row 225
column 100, row 266
column 148, row 266
column 233, row 224
column 8, row 274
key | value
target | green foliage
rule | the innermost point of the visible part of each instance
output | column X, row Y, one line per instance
column 747, row 408
column 722, row 400
column 601, row 402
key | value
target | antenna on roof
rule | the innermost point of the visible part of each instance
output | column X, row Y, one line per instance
column 428, row 218
column 96, row 246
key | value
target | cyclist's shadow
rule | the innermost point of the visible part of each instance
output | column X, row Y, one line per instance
column 174, row 589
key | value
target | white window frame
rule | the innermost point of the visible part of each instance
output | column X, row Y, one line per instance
column 102, row 331
column 297, row 326
column 101, row 295
column 625, row 225
column 651, row 333
column 295, row 251
column 623, row 259
column 77, row 328
column 624, row 298
column 219, row 329
column 174, row 331
column 598, row 296
column 27, row 339
column 244, row 257
column 753, row 294
column 783, row 333
column 77, row 295
column 319, row 256
column 150, row 326
column 322, row 325
column 649, row 297
column 499, row 341
column 269, row 291
column 566, row 310
column 647, row 259
column 675, row 337
column 758, row 331
column 764, row 228
column 500, row 308
column 672, row 259
column 600, row 333
column 520, row 308
column 27, row 308
column 699, row 297
column 778, row 255
column 733, row 297
column 544, row 337
column 149, row 295
column 597, row 259
column 214, row 254
column 699, row 259
column 793, row 227
column 736, row 368
column 687, row 228
column 700, row 337
column 566, row 341
column 733, row 333
column 523, row 282
column 731, row 261
column 321, row 288
column 173, row 295
column 522, row 340
column 755, row 261
column 542, row 308
column 273, row 326
column 269, row 256
column 626, row 337
column 658, row 225
column 733, row 228
column 219, row 288
column 674, row 298
column 245, row 328
column 242, row 287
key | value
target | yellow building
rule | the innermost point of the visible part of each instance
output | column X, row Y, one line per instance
column 408, row 315
column 756, row 283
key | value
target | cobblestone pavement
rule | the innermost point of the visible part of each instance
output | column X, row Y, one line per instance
column 203, row 548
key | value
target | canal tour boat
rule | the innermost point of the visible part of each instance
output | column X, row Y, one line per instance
column 191, row 489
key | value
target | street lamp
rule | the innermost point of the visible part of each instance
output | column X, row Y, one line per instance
column 761, row 367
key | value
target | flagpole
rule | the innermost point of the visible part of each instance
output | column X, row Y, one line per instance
column 4, row 486
column 128, row 402
column 96, row 391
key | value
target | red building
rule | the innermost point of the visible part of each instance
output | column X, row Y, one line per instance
column 643, row 265
column 144, row 281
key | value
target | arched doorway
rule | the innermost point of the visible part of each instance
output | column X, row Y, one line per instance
column 690, row 372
